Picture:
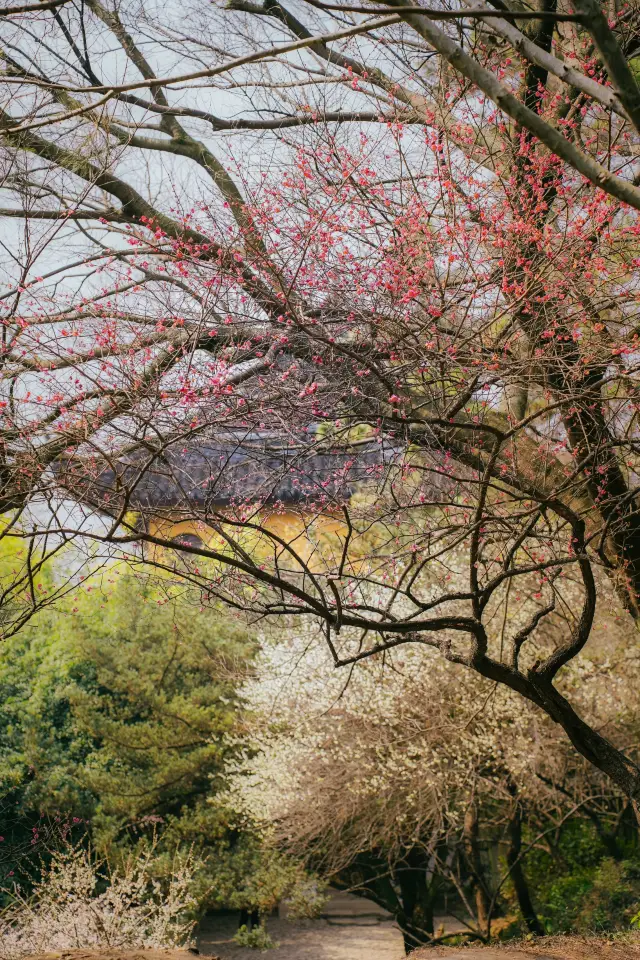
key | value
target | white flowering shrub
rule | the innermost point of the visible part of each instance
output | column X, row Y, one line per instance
column 80, row 903
column 379, row 761
column 389, row 753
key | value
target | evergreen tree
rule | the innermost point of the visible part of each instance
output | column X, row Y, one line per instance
column 121, row 709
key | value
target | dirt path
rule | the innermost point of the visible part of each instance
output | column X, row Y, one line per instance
column 315, row 940
column 356, row 929
column 351, row 929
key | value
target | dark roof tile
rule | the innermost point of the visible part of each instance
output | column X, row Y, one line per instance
column 233, row 469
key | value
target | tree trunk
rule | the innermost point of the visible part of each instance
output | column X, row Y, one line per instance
column 249, row 918
column 588, row 742
column 415, row 916
column 474, row 862
column 518, row 877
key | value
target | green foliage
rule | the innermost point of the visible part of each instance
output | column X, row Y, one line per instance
column 133, row 693
column 614, row 896
column 581, row 888
column 306, row 898
column 634, row 63
column 600, row 899
column 122, row 708
column 26, row 578
column 562, row 900
column 252, row 875
column 159, row 700
column 257, row 938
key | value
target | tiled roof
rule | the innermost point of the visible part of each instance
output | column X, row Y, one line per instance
column 232, row 469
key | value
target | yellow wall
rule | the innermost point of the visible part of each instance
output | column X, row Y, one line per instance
column 316, row 539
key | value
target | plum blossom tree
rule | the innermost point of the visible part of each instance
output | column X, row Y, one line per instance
column 399, row 782
column 357, row 231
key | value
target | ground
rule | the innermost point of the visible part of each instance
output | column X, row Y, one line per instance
column 547, row 948
column 356, row 929
column 105, row 954
column 322, row 941
column 351, row 929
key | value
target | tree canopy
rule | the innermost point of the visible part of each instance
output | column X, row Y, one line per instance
column 417, row 226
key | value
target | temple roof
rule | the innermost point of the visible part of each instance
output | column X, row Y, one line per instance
column 234, row 468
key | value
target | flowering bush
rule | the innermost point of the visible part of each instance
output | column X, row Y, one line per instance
column 80, row 902
column 390, row 754
column 408, row 767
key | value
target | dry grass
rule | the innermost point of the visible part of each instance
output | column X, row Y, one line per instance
column 622, row 947
column 116, row 955
column 619, row 947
